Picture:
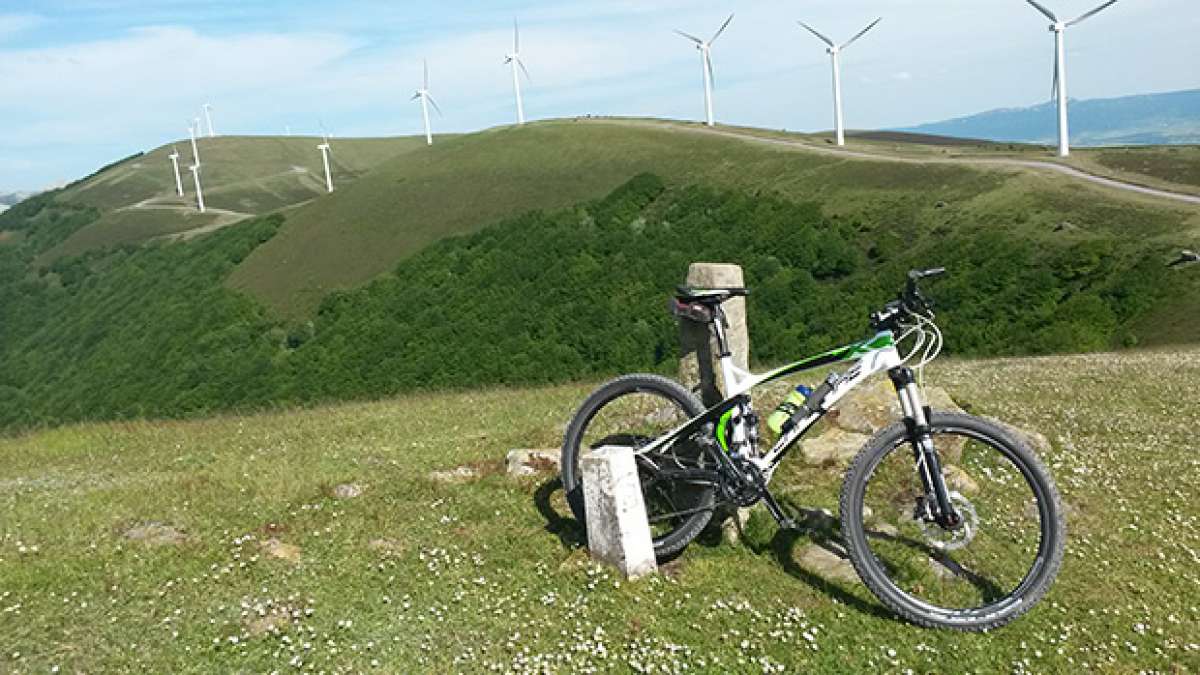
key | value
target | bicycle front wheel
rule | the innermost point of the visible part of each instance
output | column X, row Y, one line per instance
column 981, row 575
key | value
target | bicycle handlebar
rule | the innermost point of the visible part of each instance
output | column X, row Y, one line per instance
column 911, row 300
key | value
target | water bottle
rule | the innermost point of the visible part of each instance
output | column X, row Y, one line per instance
column 788, row 408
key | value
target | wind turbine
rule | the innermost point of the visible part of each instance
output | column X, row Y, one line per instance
column 174, row 157
column 192, row 133
column 324, row 156
column 834, row 51
column 208, row 118
column 514, row 59
column 427, row 98
column 1058, row 90
column 195, row 166
column 705, row 49
column 195, row 169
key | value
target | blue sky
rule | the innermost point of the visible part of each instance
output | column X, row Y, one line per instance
column 85, row 82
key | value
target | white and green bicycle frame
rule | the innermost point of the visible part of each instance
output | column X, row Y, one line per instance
column 731, row 416
column 734, row 425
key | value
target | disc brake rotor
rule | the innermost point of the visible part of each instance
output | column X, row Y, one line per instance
column 951, row 540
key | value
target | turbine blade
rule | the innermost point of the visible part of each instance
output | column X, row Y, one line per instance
column 523, row 70
column 712, row 78
column 1041, row 8
column 693, row 38
column 812, row 30
column 722, row 29
column 426, row 65
column 435, row 105
column 1092, row 13
column 516, row 37
column 862, row 32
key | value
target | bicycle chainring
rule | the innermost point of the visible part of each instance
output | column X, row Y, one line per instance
column 743, row 492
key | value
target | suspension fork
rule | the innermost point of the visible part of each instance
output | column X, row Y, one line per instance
column 929, row 466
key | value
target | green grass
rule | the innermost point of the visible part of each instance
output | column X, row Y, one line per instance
column 461, row 185
column 1170, row 167
column 462, row 577
column 127, row 227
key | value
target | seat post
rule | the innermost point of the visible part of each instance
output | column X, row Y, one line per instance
column 719, row 330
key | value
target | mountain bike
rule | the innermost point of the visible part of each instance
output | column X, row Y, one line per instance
column 950, row 520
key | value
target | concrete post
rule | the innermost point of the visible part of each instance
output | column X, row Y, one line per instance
column 617, row 531
column 699, row 370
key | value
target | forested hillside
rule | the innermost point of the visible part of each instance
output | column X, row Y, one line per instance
column 545, row 296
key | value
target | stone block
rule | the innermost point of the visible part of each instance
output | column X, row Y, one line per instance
column 699, row 370
column 617, row 531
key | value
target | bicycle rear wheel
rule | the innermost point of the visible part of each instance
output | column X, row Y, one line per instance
column 979, row 576
column 633, row 411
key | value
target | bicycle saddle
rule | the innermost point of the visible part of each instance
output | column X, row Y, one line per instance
column 708, row 296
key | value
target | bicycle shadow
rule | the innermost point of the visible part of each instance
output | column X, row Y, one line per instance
column 571, row 533
column 819, row 529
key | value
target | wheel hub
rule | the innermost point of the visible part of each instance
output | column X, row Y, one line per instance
column 952, row 539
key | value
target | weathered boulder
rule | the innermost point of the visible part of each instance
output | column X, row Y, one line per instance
column 387, row 547
column 461, row 474
column 827, row 564
column 278, row 549
column 1037, row 441
column 836, row 445
column 347, row 491
column 735, row 525
column 525, row 462
column 875, row 405
column 959, row 480
column 155, row 534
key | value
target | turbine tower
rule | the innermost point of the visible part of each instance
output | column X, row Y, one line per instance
column 833, row 51
column 426, row 99
column 195, row 169
column 324, row 148
column 514, row 59
column 195, row 150
column 705, row 49
column 174, row 157
column 195, row 166
column 1058, row 89
column 208, row 118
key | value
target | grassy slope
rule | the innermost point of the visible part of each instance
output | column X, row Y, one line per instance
column 463, row 184
column 243, row 175
column 489, row 572
column 1175, row 167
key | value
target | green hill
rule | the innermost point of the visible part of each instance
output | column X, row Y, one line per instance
column 242, row 176
column 218, row 545
column 464, row 184
column 565, row 256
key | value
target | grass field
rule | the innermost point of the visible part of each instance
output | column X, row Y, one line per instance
column 248, row 561
column 463, row 184
column 1175, row 167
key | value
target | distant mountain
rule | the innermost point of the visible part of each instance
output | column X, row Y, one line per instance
column 1150, row 119
column 8, row 199
column 11, row 199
